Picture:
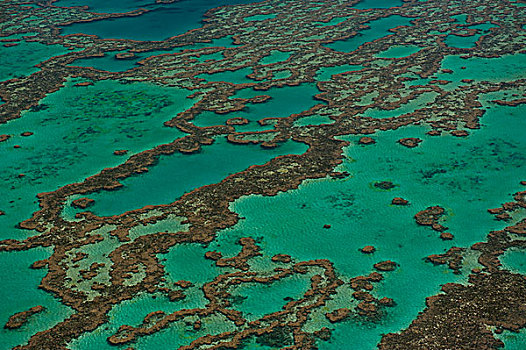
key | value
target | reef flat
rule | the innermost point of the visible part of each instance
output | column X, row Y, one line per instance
column 279, row 174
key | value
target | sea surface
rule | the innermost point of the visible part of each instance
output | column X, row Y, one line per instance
column 77, row 129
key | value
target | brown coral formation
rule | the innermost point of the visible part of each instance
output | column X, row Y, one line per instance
column 430, row 217
column 19, row 319
column 387, row 265
column 399, row 201
column 453, row 258
column 366, row 140
column 82, row 203
column 463, row 315
column 410, row 142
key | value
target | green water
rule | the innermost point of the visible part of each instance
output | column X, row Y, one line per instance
column 368, row 4
column 257, row 300
column 514, row 260
column 378, row 29
column 469, row 41
column 238, row 76
column 259, row 17
column 399, row 51
column 505, row 68
column 353, row 206
column 109, row 63
column 280, row 104
column 20, row 60
column 20, row 292
column 179, row 173
column 80, row 127
column 275, row 57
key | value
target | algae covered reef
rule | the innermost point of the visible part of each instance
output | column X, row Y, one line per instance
column 278, row 174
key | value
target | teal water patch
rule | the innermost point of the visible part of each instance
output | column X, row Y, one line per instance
column 441, row 171
column 275, row 56
column 371, row 4
column 421, row 101
column 187, row 262
column 238, row 76
column 465, row 42
column 313, row 120
column 109, row 63
column 20, row 292
column 20, row 60
column 462, row 18
column 284, row 101
column 332, row 22
column 505, row 68
column 399, row 51
column 255, row 300
column 514, row 260
column 378, row 29
column 161, row 22
column 260, row 17
column 325, row 73
column 76, row 130
column 179, row 173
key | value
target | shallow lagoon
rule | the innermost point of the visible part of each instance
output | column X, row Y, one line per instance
column 378, row 29
column 278, row 106
column 179, row 173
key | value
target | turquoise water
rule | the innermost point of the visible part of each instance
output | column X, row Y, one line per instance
column 20, row 292
column 163, row 21
column 279, row 106
column 368, row 4
column 259, row 17
column 81, row 127
column 275, row 57
column 259, row 299
column 20, row 60
column 505, row 68
column 469, row 41
column 108, row 62
column 378, row 29
column 399, row 51
column 514, row 260
column 179, row 173
column 352, row 207
column 238, row 76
